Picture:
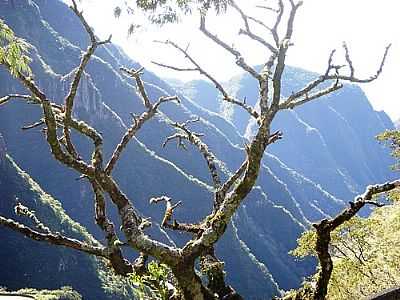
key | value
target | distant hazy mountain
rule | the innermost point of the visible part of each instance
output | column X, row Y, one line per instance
column 328, row 154
column 331, row 141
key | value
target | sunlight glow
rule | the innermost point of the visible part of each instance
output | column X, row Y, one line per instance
column 322, row 25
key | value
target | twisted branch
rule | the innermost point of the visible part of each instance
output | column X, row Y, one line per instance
column 194, row 139
column 138, row 121
column 54, row 238
column 306, row 94
column 197, row 68
column 168, row 216
column 69, row 99
column 239, row 58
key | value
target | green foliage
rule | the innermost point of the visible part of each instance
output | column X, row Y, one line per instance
column 65, row 293
column 161, row 12
column 305, row 245
column 13, row 51
column 392, row 139
column 367, row 258
column 305, row 293
column 365, row 254
column 152, row 285
column 364, row 250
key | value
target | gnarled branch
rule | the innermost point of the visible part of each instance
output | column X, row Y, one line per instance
column 307, row 93
column 138, row 121
column 53, row 238
column 194, row 139
column 239, row 58
column 225, row 96
column 168, row 216
column 69, row 99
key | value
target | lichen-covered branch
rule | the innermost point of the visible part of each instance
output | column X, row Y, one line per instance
column 308, row 93
column 229, row 195
column 22, row 210
column 194, row 139
column 136, row 75
column 239, row 58
column 119, row 263
column 138, row 121
column 69, row 99
column 169, row 222
column 53, row 238
column 33, row 125
column 225, row 96
column 233, row 179
column 213, row 268
column 5, row 99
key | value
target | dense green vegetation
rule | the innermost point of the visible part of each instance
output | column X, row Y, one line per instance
column 65, row 293
column 13, row 51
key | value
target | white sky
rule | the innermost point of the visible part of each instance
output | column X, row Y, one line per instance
column 322, row 25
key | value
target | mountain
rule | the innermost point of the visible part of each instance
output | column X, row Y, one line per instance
column 32, row 264
column 397, row 124
column 331, row 141
column 328, row 153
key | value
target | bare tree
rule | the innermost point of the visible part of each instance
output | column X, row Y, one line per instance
column 228, row 195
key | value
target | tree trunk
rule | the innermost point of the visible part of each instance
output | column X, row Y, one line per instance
column 325, row 260
column 214, row 269
column 190, row 285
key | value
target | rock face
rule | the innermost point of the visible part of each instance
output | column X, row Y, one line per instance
column 31, row 264
column 328, row 152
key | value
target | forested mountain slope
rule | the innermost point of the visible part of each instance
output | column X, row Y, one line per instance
column 303, row 179
column 26, row 263
column 339, row 131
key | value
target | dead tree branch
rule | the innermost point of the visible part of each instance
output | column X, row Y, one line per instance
column 168, row 216
column 53, row 238
column 225, row 96
column 194, row 139
column 120, row 265
column 308, row 93
column 139, row 121
column 69, row 99
column 228, row 196
column 247, row 31
column 239, row 58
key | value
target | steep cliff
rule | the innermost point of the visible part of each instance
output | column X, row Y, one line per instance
column 26, row 263
column 331, row 141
